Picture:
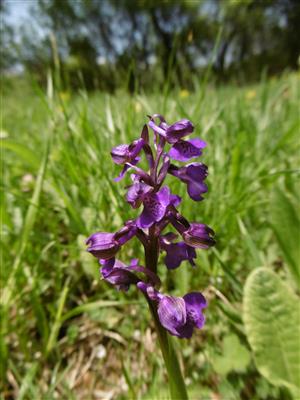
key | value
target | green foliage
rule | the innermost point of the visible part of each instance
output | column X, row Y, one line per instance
column 271, row 315
column 286, row 225
column 234, row 357
column 60, row 306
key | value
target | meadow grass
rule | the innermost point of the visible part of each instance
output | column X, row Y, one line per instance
column 65, row 333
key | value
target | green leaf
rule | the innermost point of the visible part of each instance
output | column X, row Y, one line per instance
column 233, row 315
column 27, row 227
column 27, row 382
column 286, row 226
column 94, row 306
column 7, row 294
column 235, row 356
column 271, row 317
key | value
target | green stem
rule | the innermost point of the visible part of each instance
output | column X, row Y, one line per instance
column 176, row 382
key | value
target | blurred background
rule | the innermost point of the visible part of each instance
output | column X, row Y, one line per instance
column 79, row 77
column 141, row 44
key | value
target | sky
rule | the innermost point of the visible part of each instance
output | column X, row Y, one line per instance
column 18, row 10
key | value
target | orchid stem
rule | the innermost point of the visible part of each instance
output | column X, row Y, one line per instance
column 176, row 382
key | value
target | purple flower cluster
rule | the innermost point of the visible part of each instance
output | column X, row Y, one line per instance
column 179, row 315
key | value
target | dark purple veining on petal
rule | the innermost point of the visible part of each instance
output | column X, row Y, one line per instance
column 155, row 206
column 199, row 236
column 184, row 150
column 178, row 130
column 137, row 192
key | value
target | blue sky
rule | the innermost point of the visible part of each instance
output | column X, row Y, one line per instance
column 18, row 10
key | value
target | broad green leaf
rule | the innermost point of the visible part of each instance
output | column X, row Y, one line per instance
column 286, row 226
column 271, row 317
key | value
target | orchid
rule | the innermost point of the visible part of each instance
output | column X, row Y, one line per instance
column 179, row 316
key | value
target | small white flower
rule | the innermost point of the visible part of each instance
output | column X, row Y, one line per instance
column 101, row 351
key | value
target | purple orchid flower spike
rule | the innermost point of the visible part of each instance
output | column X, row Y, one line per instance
column 179, row 316
column 193, row 175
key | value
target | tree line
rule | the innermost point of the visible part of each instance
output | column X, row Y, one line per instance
column 140, row 43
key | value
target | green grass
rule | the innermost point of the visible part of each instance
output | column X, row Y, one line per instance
column 57, row 187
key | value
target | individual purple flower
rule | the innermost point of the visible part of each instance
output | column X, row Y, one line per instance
column 176, row 252
column 126, row 153
column 193, row 175
column 178, row 130
column 184, row 150
column 155, row 206
column 103, row 245
column 117, row 274
column 122, row 276
column 179, row 315
column 172, row 133
column 137, row 192
column 199, row 236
